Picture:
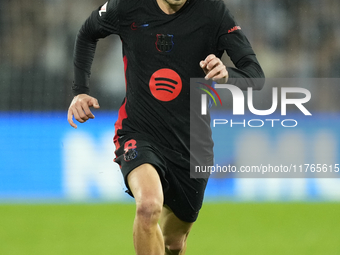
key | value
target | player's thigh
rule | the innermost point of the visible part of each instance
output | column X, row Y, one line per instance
column 175, row 231
column 145, row 185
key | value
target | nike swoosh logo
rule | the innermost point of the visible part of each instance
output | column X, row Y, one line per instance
column 134, row 26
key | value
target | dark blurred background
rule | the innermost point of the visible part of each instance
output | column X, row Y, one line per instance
column 293, row 39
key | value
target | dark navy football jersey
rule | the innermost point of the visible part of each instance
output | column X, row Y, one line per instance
column 161, row 53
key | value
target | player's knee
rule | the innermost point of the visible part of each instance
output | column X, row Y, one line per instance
column 174, row 246
column 174, row 249
column 149, row 210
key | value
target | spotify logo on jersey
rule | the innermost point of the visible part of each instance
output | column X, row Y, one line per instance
column 165, row 84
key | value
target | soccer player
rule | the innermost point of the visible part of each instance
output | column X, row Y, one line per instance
column 165, row 43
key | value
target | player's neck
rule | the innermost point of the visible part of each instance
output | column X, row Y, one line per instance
column 170, row 6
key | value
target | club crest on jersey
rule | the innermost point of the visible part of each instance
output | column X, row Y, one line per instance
column 103, row 9
column 164, row 42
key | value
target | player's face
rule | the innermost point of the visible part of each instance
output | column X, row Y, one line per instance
column 177, row 3
column 171, row 5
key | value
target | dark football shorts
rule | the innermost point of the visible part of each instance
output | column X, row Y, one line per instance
column 182, row 194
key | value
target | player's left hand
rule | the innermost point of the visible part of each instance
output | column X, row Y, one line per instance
column 214, row 69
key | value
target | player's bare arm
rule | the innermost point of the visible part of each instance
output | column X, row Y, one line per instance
column 214, row 69
column 80, row 109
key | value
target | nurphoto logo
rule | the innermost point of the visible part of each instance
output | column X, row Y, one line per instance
column 239, row 105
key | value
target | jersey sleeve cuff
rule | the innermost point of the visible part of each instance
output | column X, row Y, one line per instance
column 81, row 84
column 76, row 90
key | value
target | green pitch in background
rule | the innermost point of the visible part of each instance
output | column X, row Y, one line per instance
column 222, row 228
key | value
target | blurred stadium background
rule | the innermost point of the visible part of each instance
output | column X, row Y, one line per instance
column 60, row 192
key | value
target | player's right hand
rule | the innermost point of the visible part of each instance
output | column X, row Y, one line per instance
column 80, row 109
